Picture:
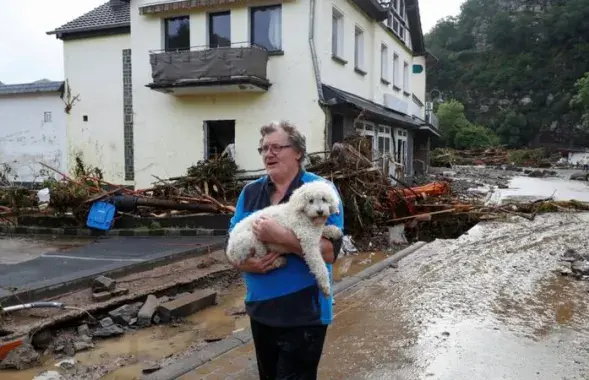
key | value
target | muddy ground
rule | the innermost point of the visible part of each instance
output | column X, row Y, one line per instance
column 138, row 350
column 496, row 303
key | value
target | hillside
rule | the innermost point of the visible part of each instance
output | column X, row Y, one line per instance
column 514, row 64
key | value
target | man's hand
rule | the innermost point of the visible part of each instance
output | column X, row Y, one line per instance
column 269, row 231
column 258, row 265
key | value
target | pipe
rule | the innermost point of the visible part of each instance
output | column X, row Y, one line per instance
column 32, row 305
column 317, row 72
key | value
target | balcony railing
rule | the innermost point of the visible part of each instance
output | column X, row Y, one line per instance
column 432, row 119
column 239, row 63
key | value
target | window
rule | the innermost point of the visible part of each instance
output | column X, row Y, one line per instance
column 402, row 33
column 337, row 34
column 395, row 25
column 384, row 58
column 395, row 70
column 402, row 8
column 266, row 27
column 47, row 117
column 359, row 49
column 396, row 4
column 220, row 29
column 177, row 33
column 405, row 77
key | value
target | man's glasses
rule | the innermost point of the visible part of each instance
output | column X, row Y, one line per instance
column 272, row 148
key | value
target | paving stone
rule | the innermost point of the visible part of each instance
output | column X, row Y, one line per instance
column 104, row 284
column 186, row 305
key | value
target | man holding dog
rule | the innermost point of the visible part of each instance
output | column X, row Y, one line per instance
column 289, row 315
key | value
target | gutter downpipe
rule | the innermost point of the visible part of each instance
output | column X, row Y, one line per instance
column 316, row 70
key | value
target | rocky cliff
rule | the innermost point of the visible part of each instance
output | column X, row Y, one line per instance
column 513, row 63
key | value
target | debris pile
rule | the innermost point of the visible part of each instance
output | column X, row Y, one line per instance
column 445, row 157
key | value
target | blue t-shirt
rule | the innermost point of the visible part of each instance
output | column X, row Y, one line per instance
column 288, row 296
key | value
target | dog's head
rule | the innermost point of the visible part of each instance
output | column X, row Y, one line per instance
column 317, row 200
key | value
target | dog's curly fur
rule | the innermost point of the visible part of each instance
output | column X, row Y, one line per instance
column 305, row 214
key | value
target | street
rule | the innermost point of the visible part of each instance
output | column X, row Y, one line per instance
column 492, row 304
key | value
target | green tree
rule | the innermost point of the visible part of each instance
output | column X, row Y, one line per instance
column 580, row 100
column 458, row 132
column 475, row 136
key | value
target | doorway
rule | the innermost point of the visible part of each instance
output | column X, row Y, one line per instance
column 219, row 135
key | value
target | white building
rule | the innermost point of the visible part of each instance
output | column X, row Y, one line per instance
column 165, row 85
column 32, row 130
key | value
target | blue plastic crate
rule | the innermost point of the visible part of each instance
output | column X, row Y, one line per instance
column 101, row 216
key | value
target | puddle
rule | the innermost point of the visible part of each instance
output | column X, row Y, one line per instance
column 529, row 189
column 18, row 250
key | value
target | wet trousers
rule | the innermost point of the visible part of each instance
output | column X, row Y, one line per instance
column 288, row 353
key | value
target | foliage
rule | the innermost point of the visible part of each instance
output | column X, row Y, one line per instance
column 458, row 132
column 580, row 100
column 514, row 65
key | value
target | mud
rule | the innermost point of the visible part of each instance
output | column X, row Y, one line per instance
column 128, row 356
column 16, row 250
column 492, row 304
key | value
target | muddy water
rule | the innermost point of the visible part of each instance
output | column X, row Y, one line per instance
column 526, row 188
column 16, row 250
column 124, row 358
column 490, row 305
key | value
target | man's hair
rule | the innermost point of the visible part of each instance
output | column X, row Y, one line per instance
column 295, row 137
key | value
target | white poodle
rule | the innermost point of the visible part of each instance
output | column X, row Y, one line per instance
column 305, row 214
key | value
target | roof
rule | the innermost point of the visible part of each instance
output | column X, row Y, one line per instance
column 335, row 96
column 110, row 15
column 31, row 88
column 415, row 29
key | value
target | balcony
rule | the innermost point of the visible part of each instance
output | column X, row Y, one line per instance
column 232, row 69
column 432, row 119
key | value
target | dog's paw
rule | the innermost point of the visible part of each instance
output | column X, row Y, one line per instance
column 279, row 262
column 332, row 232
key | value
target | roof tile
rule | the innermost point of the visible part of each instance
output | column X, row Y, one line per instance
column 29, row 88
column 112, row 14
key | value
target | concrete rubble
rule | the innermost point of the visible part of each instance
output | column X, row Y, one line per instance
column 65, row 343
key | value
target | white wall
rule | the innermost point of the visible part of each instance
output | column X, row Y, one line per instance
column 94, row 68
column 25, row 137
column 169, row 129
column 344, row 77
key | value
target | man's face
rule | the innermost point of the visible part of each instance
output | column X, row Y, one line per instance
column 280, row 159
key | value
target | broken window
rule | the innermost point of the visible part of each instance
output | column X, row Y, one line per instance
column 219, row 135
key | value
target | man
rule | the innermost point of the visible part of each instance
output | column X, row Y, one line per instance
column 289, row 315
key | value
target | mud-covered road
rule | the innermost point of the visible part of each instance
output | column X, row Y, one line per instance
column 492, row 304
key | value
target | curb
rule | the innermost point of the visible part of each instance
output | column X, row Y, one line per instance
column 87, row 232
column 52, row 290
column 216, row 349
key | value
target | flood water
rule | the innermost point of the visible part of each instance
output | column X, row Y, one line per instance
column 16, row 250
column 529, row 188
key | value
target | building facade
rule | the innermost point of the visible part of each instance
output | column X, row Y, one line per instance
column 33, row 130
column 165, row 85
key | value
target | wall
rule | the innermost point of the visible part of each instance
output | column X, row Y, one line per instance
column 419, row 80
column 171, row 128
column 344, row 77
column 25, row 138
column 94, row 69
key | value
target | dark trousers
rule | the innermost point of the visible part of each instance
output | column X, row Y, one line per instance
column 288, row 353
